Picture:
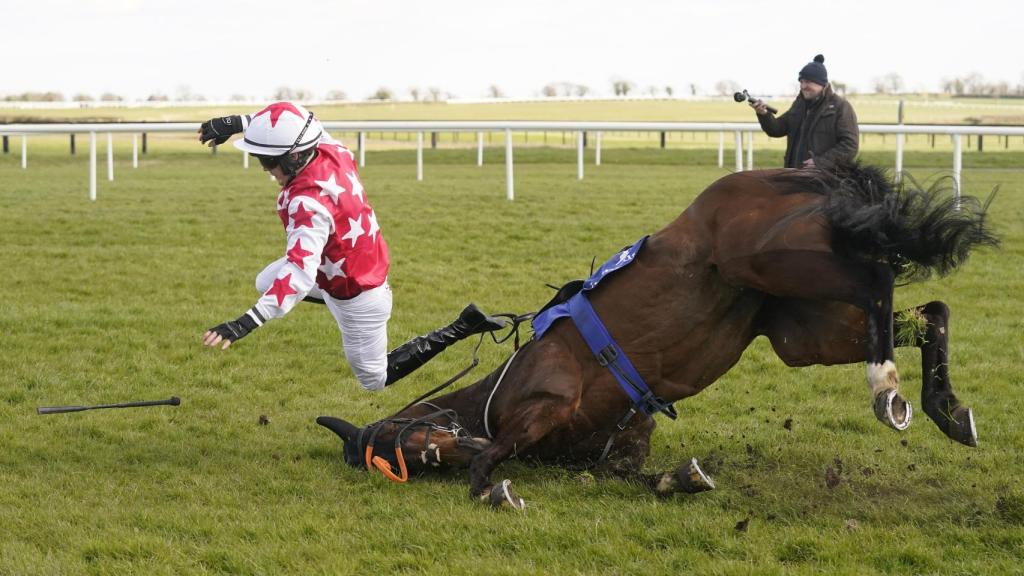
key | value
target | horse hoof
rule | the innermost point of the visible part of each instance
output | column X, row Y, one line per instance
column 961, row 427
column 893, row 410
column 688, row 478
column 502, row 495
column 695, row 480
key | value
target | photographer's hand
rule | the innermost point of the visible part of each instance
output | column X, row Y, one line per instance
column 759, row 106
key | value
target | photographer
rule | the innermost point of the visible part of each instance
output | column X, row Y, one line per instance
column 820, row 127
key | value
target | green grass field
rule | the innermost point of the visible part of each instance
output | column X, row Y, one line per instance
column 105, row 301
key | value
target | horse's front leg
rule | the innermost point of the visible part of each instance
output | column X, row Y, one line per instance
column 630, row 448
column 517, row 434
column 927, row 327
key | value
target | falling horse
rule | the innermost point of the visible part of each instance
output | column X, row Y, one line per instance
column 806, row 258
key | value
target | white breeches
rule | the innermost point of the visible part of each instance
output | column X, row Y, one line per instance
column 363, row 321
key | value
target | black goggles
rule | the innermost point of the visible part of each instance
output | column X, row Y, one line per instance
column 269, row 162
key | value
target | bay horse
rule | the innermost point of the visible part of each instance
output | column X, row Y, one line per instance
column 807, row 258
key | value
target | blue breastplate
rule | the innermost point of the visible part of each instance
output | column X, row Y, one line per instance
column 600, row 341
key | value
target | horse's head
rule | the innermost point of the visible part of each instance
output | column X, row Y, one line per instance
column 406, row 444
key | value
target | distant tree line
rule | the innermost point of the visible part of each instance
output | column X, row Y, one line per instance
column 973, row 84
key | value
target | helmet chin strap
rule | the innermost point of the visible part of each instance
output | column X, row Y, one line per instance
column 286, row 164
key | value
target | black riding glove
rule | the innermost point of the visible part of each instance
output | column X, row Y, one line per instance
column 236, row 329
column 220, row 129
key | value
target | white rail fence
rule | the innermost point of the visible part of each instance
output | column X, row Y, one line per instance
column 508, row 128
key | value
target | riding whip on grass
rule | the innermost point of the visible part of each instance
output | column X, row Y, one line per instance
column 172, row 401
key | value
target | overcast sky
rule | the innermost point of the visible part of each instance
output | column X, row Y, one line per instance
column 220, row 48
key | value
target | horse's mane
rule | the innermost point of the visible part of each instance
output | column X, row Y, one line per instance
column 919, row 231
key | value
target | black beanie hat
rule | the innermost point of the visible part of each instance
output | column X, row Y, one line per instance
column 815, row 71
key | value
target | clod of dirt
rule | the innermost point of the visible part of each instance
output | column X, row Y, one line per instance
column 741, row 526
column 866, row 471
column 904, row 442
column 911, row 467
column 851, row 525
column 263, row 420
column 832, row 477
column 788, row 424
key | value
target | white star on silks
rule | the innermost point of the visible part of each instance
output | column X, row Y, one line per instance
column 332, row 269
column 373, row 226
column 330, row 187
column 355, row 230
column 357, row 186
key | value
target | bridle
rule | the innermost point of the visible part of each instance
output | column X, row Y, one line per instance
column 455, row 429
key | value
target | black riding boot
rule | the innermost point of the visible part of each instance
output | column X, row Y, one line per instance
column 416, row 352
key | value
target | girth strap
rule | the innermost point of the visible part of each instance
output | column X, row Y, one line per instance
column 611, row 356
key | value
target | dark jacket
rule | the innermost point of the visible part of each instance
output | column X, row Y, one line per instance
column 827, row 127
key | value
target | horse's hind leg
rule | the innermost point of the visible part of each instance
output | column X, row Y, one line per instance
column 822, row 276
column 937, row 397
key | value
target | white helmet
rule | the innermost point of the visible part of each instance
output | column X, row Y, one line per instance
column 281, row 128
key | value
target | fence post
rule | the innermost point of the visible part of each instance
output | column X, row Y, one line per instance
column 899, row 156
column 597, row 151
column 362, row 149
column 419, row 156
column 213, row 150
column 981, row 142
column 957, row 164
column 92, row 166
column 739, row 151
column 245, row 160
column 7, row 145
column 479, row 148
column 72, row 143
column 579, row 155
column 509, row 187
column 145, row 147
column 110, row 156
column 135, row 150
column 721, row 149
column 750, row 150
column 433, row 140
column 663, row 140
column 24, row 151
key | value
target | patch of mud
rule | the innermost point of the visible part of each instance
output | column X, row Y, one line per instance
column 834, row 474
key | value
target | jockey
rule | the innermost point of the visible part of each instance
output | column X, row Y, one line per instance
column 335, row 253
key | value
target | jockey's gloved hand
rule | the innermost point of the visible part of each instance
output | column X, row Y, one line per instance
column 235, row 329
column 220, row 129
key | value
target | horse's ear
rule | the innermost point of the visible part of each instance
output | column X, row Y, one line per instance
column 343, row 429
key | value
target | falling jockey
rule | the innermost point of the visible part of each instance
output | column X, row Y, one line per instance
column 335, row 253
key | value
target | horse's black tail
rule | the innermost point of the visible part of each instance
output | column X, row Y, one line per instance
column 918, row 231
